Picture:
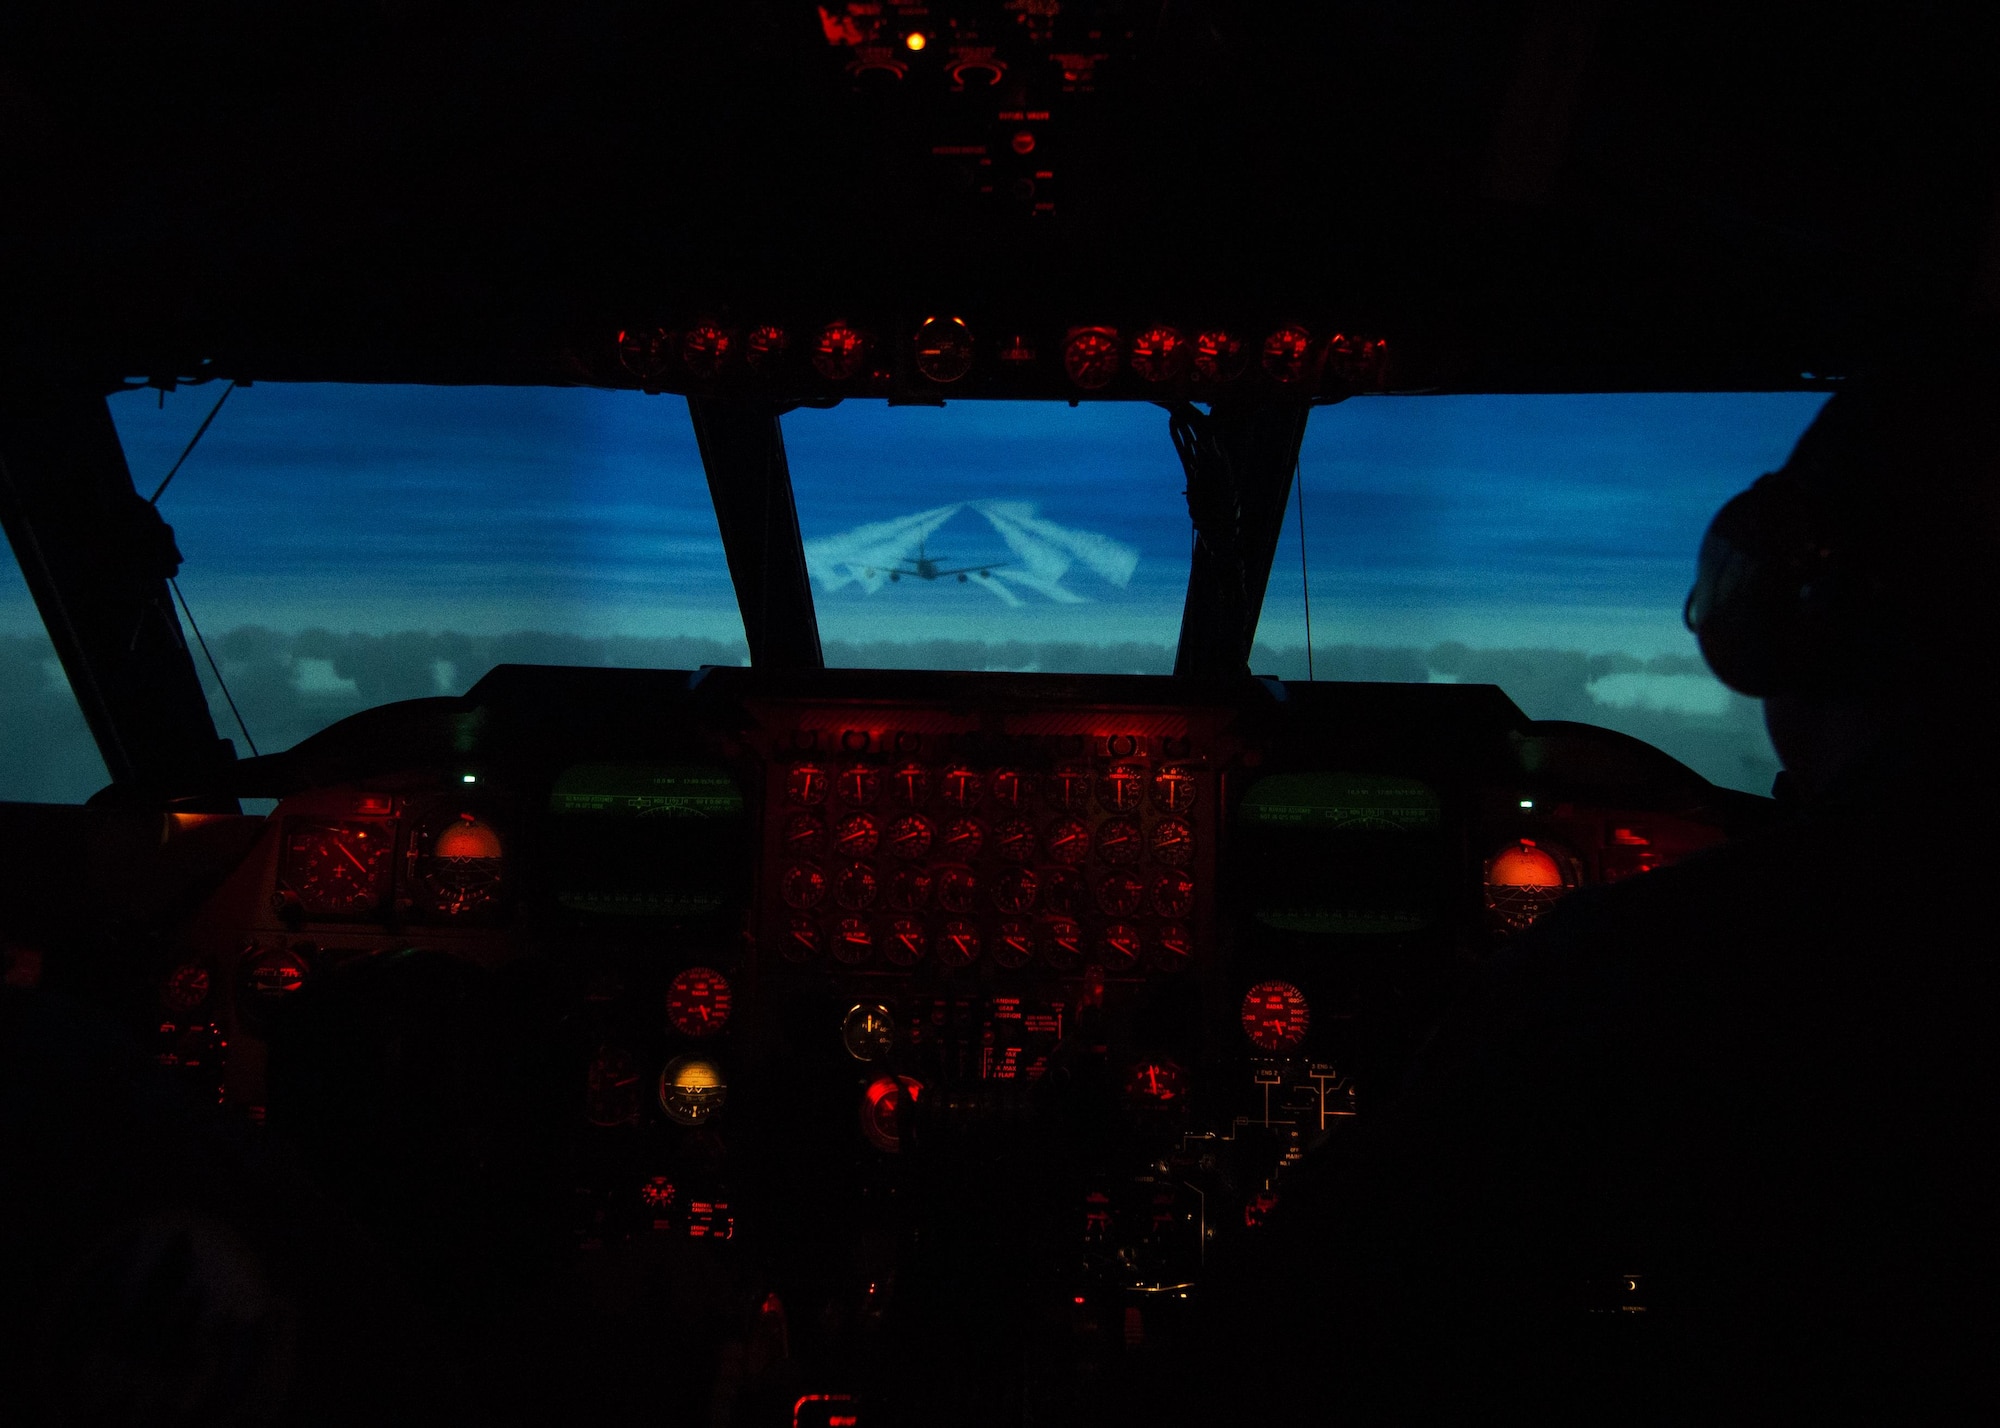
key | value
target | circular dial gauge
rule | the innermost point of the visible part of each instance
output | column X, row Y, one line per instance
column 1090, row 357
column 910, row 785
column 704, row 348
column 868, row 1032
column 957, row 889
column 1062, row 944
column 1119, row 841
column 1172, row 948
column 1122, row 787
column 805, row 785
column 856, row 887
column 1069, row 841
column 805, row 836
column 1063, row 892
column 764, row 346
column 906, row 943
column 691, row 1090
column 857, row 835
column 1014, row 840
column 960, row 787
column 1013, row 944
column 1069, row 788
column 186, row 987
column 910, row 836
column 1288, row 354
column 909, row 889
column 853, row 943
column 1173, row 894
column 1119, row 945
column 1160, row 354
column 959, row 944
column 1015, row 889
column 1174, row 788
column 962, row 837
column 1275, row 1016
column 943, row 344
column 838, row 352
column 1173, row 843
column 803, row 886
column 1008, row 787
column 698, row 1002
column 1219, row 356
column 273, row 975
column 611, row 1088
column 1157, row 1083
column 338, row 868
column 463, row 870
column 858, row 784
column 885, row 1107
column 1121, row 894
column 802, row 940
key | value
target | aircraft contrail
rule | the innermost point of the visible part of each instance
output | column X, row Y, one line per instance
column 872, row 555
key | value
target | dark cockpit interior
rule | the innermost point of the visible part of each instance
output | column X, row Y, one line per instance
column 780, row 1044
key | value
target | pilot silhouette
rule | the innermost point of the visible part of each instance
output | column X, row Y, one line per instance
column 1717, row 1144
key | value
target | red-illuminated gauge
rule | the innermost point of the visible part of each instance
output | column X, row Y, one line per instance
column 462, row 870
column 1174, row 788
column 1524, row 880
column 959, row 944
column 698, row 1002
column 1119, row 841
column 611, row 1088
column 658, row 1195
column 805, row 836
column 857, row 835
column 962, row 837
column 944, row 347
column 868, row 1032
column 1069, row 788
column 1356, row 362
column 1219, row 356
column 885, row 1109
column 960, row 787
column 691, row 1090
column 705, row 347
column 644, row 351
column 1015, row 890
column 1275, row 1016
column 910, row 785
column 805, row 785
column 1009, row 787
column 1090, row 357
column 1158, row 1083
column 1121, row 894
column 957, row 889
column 910, row 836
column 1014, row 840
column 1173, row 843
column 1172, row 948
column 802, row 941
column 765, row 346
column 906, row 943
column 839, row 352
column 909, row 889
column 1119, row 945
column 336, row 869
column 1013, row 944
column 1068, row 841
column 1122, row 787
column 186, row 987
column 853, row 942
column 856, row 887
column 1287, row 355
column 803, row 887
column 1173, row 894
column 1160, row 354
column 858, row 784
column 1062, row 944
column 273, row 975
column 1063, row 891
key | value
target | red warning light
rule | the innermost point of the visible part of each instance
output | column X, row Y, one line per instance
column 704, row 349
column 1160, row 354
column 884, row 1108
column 1090, row 357
column 915, row 41
column 1219, row 356
column 1023, row 142
column 839, row 352
column 1287, row 355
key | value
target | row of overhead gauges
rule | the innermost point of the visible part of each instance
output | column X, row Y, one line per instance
column 1155, row 359
column 331, row 869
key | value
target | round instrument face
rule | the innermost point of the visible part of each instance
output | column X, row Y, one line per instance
column 611, row 1088
column 704, row 348
column 957, row 889
column 1219, row 356
column 1275, row 1016
column 1119, row 946
column 273, row 975
column 1069, row 789
column 1062, row 944
column 910, row 785
column 1014, row 840
column 1121, row 894
column 1009, row 787
column 839, row 351
column 958, row 945
column 462, row 871
column 1160, row 354
column 1063, row 891
column 1173, row 949
column 910, row 836
column 1013, row 944
column 805, row 836
column 1122, row 788
column 186, row 987
column 802, row 940
column 853, row 941
column 1287, row 355
column 857, row 835
column 1173, row 894
column 1173, row 843
column 806, row 785
column 856, row 887
column 1068, row 841
column 858, row 785
column 909, row 889
column 338, row 869
column 906, row 943
column 868, row 1032
column 962, row 839
column 885, row 1105
column 1524, row 880
column 943, row 344
column 961, row 787
column 692, row 1090
column 803, row 887
column 1156, row 1083
column 1015, row 890
column 765, row 346
column 698, row 1002
column 1119, row 841
column 1174, row 788
column 1090, row 357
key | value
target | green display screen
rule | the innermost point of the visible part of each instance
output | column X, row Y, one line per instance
column 1342, row 854
column 1361, row 802
column 655, row 791
column 660, row 841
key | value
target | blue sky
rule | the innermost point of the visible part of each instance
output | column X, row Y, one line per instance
column 1567, row 522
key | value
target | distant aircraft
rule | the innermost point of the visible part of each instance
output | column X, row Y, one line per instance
column 883, row 552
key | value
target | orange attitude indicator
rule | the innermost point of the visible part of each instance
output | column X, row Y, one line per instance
column 698, row 1002
column 1275, row 1016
